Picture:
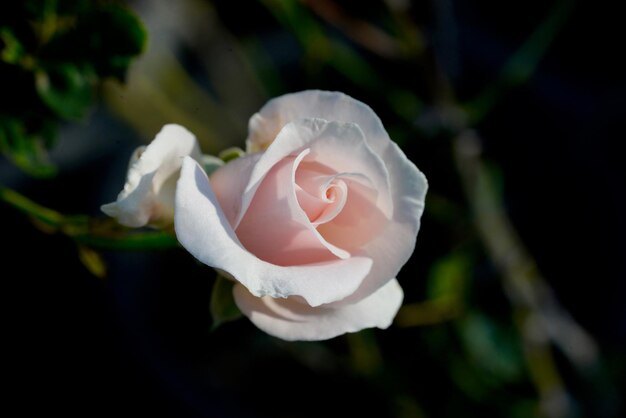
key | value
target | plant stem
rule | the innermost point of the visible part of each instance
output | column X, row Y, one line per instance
column 27, row 206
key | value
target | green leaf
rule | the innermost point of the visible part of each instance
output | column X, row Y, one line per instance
column 230, row 154
column 12, row 50
column 131, row 37
column 27, row 152
column 492, row 348
column 20, row 202
column 223, row 307
column 104, row 37
column 65, row 89
column 92, row 261
column 448, row 277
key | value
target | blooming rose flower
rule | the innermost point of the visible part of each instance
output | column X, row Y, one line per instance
column 313, row 227
column 148, row 195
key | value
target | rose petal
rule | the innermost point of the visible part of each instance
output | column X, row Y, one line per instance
column 408, row 185
column 265, row 125
column 311, row 188
column 148, row 195
column 135, row 208
column 359, row 222
column 394, row 245
column 292, row 320
column 276, row 229
column 339, row 146
column 335, row 192
column 203, row 229
column 230, row 181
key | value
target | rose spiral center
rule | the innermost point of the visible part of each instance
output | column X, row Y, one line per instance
column 321, row 194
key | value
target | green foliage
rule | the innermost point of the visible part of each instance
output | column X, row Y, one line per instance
column 230, row 154
column 27, row 151
column 103, row 234
column 223, row 307
column 448, row 277
column 53, row 53
column 65, row 89
column 492, row 348
column 92, row 261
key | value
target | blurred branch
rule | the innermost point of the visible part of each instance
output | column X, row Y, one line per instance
column 430, row 312
column 540, row 318
column 320, row 47
column 323, row 49
column 103, row 234
column 361, row 32
column 25, row 205
column 522, row 64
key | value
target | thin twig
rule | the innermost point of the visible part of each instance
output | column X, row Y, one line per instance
column 91, row 232
column 539, row 316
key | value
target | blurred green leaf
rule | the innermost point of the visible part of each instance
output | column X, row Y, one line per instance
column 53, row 53
column 230, row 154
column 492, row 348
column 223, row 307
column 26, row 151
column 365, row 355
column 405, row 103
column 106, row 38
column 65, row 89
column 445, row 290
column 448, row 276
column 92, row 261
column 122, row 37
column 12, row 50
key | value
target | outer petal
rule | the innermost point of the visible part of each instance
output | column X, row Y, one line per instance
column 203, row 229
column 393, row 246
column 292, row 320
column 148, row 195
column 265, row 125
column 230, row 181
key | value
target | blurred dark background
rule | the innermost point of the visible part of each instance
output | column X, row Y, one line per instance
column 138, row 343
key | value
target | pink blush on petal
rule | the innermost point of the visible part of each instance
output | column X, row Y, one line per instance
column 275, row 228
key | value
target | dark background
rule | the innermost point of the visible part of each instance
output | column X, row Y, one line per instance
column 138, row 342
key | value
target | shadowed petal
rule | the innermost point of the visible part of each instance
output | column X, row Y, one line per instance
column 293, row 320
column 148, row 195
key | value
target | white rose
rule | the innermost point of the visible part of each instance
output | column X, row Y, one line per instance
column 148, row 195
column 315, row 226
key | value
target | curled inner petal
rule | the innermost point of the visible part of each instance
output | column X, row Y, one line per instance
column 275, row 227
column 321, row 193
column 335, row 195
column 341, row 206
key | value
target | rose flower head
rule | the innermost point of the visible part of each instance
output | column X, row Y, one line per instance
column 314, row 223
